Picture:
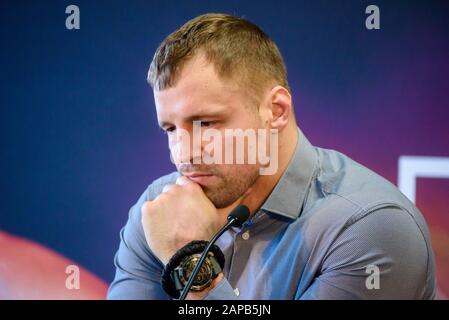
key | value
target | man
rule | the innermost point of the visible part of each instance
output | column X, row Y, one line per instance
column 321, row 226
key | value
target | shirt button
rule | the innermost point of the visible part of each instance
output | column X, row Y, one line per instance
column 237, row 291
column 245, row 235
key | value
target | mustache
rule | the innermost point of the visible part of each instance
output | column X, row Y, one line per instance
column 186, row 168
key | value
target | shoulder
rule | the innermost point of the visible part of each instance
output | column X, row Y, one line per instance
column 354, row 191
column 350, row 194
column 155, row 188
column 150, row 193
column 360, row 216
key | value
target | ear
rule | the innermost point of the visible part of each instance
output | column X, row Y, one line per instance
column 280, row 104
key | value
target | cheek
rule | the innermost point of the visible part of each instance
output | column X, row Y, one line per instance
column 178, row 154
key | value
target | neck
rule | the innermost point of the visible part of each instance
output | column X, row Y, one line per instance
column 264, row 185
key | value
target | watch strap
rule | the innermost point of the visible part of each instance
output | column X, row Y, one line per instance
column 193, row 247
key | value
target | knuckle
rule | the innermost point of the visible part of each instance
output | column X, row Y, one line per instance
column 146, row 205
column 193, row 187
column 169, row 189
column 180, row 179
column 161, row 196
column 146, row 208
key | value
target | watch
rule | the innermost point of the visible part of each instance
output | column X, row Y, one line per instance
column 179, row 268
column 208, row 272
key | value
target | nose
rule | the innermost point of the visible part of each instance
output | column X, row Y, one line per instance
column 184, row 147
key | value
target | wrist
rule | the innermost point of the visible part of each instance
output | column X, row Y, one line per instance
column 198, row 295
column 178, row 270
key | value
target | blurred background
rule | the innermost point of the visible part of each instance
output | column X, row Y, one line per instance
column 80, row 141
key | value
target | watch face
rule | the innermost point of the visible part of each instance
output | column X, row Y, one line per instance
column 204, row 277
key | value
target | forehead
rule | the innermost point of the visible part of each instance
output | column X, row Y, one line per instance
column 198, row 88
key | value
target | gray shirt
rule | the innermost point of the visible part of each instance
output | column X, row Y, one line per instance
column 331, row 229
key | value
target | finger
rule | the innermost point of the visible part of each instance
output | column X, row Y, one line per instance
column 167, row 187
column 182, row 181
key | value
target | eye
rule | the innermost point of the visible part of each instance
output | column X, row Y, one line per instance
column 169, row 130
column 206, row 124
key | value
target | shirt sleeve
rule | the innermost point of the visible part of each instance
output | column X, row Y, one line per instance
column 223, row 291
column 138, row 271
column 382, row 255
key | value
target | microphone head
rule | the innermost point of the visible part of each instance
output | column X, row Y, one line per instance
column 240, row 214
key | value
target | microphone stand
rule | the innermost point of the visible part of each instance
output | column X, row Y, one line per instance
column 199, row 264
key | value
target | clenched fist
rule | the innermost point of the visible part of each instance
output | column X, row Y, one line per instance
column 180, row 214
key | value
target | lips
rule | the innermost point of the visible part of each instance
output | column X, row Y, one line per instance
column 199, row 177
column 196, row 174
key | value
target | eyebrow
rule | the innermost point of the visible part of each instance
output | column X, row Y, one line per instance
column 197, row 117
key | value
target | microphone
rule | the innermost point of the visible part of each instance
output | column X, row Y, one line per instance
column 236, row 218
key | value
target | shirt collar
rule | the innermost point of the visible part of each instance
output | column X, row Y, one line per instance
column 288, row 196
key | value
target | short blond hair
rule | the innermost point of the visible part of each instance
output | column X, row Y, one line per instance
column 238, row 49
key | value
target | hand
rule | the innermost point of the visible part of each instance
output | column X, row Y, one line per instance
column 180, row 214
